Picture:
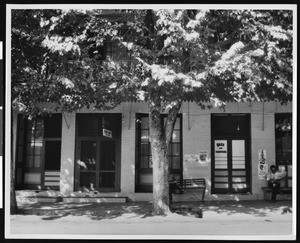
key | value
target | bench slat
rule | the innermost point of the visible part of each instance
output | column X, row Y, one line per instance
column 186, row 184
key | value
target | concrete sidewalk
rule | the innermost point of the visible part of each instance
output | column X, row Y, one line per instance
column 254, row 219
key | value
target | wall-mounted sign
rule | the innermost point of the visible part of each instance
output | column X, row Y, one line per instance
column 191, row 158
column 262, row 156
column 262, row 171
column 107, row 133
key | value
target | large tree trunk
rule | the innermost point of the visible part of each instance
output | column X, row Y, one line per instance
column 160, row 138
column 13, row 201
column 160, row 165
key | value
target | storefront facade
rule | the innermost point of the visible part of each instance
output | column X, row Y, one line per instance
column 109, row 152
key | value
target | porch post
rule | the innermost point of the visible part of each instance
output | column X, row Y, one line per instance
column 67, row 153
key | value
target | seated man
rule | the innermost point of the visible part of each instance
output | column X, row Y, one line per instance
column 274, row 177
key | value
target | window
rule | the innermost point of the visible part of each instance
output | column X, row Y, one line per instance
column 144, row 173
column 38, row 151
column 283, row 134
column 34, row 143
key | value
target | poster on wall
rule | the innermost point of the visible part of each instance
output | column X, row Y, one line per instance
column 262, row 156
column 203, row 158
column 191, row 158
column 262, row 171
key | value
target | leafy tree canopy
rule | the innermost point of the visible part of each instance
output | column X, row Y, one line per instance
column 100, row 58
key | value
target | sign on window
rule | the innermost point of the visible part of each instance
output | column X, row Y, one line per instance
column 221, row 154
column 107, row 133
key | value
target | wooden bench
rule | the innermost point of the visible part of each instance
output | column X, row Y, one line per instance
column 284, row 190
column 190, row 184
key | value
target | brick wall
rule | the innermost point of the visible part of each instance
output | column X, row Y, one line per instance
column 196, row 138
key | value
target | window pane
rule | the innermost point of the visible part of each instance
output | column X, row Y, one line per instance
column 176, row 149
column 146, row 179
column 107, row 179
column 39, row 124
column 230, row 124
column 88, row 125
column 220, row 154
column 221, row 179
column 37, row 161
column 175, row 162
column 107, row 155
column 52, row 126
column 144, row 162
column 21, row 137
column 20, row 154
column 221, row 172
column 238, row 154
column 239, row 173
column 29, row 161
column 177, row 124
column 145, row 136
column 88, row 155
column 238, row 179
column 38, row 136
column 289, row 171
column 237, row 186
column 30, row 135
column 88, row 179
column 52, row 155
column 145, row 149
column 38, row 148
column 283, row 129
column 176, row 136
column 19, row 175
column 30, row 148
column 225, row 185
column 144, row 122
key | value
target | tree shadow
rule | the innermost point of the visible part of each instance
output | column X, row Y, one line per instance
column 96, row 211
column 253, row 208
column 131, row 210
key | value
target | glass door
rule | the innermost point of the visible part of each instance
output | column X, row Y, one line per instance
column 88, row 164
column 230, row 165
column 97, row 165
column 98, row 152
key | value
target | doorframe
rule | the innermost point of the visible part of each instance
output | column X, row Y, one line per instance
column 98, row 139
column 248, row 164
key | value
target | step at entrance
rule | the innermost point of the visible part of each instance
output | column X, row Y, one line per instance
column 94, row 199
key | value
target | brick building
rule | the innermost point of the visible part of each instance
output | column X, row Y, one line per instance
column 108, row 154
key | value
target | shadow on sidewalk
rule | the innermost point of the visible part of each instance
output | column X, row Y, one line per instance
column 100, row 211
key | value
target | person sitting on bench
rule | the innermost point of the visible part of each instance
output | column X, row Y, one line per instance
column 274, row 177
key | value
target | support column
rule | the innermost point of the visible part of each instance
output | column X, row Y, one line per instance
column 67, row 153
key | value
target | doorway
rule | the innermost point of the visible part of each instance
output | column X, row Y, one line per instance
column 98, row 152
column 231, row 168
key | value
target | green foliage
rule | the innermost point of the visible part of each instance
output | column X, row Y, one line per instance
column 65, row 57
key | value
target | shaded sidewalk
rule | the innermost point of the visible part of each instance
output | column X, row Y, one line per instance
column 135, row 218
column 100, row 211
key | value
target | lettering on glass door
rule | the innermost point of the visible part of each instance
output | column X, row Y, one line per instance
column 221, row 154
